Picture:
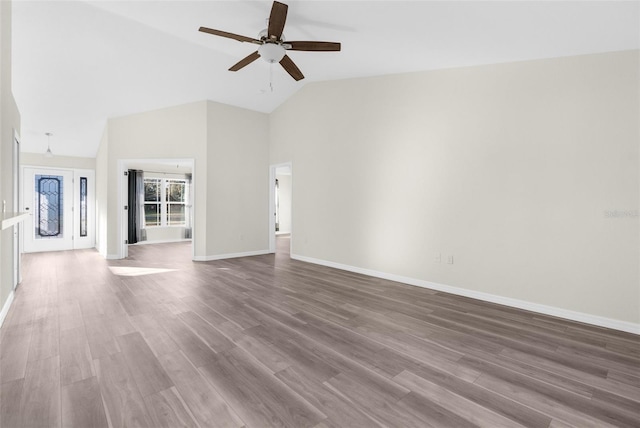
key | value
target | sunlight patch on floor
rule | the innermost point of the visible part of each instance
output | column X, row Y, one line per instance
column 137, row 271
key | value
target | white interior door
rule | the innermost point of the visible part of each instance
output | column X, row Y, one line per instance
column 48, row 195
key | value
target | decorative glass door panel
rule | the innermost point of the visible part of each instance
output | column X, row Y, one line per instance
column 49, row 209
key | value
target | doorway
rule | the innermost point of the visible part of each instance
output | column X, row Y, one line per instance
column 61, row 203
column 280, row 213
column 48, row 196
column 157, row 197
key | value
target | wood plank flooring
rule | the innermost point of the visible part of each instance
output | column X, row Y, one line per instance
column 159, row 341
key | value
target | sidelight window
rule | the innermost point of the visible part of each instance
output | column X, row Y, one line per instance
column 83, row 206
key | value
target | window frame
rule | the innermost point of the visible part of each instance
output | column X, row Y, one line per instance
column 164, row 201
column 167, row 202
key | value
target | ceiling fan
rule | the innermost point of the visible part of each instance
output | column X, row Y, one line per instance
column 272, row 44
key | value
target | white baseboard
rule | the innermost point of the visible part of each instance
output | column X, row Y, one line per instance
column 229, row 256
column 113, row 257
column 507, row 301
column 5, row 308
column 165, row 241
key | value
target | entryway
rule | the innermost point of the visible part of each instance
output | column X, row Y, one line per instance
column 157, row 196
column 62, row 206
column 281, row 197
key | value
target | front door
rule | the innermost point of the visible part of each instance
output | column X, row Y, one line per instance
column 48, row 196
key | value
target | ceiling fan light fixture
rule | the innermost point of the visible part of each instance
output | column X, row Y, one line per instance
column 271, row 52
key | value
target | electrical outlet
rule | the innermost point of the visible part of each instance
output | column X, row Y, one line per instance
column 450, row 260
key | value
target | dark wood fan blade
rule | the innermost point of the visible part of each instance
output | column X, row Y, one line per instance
column 245, row 61
column 277, row 19
column 230, row 35
column 314, row 46
column 291, row 68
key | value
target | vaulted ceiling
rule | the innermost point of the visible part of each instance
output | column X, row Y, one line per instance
column 77, row 63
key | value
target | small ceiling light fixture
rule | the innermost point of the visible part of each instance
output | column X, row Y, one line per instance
column 48, row 153
column 271, row 52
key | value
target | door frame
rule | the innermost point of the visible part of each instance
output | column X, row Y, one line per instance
column 77, row 241
column 272, row 204
column 71, row 221
column 123, row 192
column 89, row 241
column 17, row 195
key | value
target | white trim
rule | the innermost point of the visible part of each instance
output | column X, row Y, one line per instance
column 596, row 320
column 13, row 219
column 272, row 205
column 5, row 308
column 113, row 257
column 163, row 241
column 229, row 256
column 122, row 219
column 17, row 229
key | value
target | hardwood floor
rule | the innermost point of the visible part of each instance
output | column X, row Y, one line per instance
column 160, row 341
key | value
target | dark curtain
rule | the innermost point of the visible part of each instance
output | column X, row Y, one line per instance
column 136, row 206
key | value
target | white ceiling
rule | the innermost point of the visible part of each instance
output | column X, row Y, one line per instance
column 77, row 63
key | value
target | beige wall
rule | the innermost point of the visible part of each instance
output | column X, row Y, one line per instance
column 526, row 173
column 38, row 159
column 230, row 148
column 9, row 120
column 102, row 187
column 238, row 180
column 164, row 234
column 512, row 169
column 171, row 133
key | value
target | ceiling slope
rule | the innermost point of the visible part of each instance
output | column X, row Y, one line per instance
column 77, row 63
